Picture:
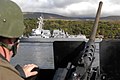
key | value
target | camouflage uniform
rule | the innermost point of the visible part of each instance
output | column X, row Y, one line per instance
column 7, row 71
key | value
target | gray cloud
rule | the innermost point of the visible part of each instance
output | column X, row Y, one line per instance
column 114, row 1
column 64, row 3
column 70, row 7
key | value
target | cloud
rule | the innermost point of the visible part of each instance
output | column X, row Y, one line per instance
column 115, row 2
column 81, row 8
column 70, row 7
column 111, row 7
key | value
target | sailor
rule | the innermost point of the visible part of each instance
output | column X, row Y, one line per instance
column 11, row 28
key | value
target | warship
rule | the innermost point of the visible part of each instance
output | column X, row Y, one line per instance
column 39, row 32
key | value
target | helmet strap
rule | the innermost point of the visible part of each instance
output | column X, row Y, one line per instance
column 10, row 48
column 14, row 50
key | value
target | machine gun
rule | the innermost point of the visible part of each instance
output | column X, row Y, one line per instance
column 88, row 53
column 80, row 67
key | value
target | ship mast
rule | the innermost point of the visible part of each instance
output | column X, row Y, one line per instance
column 40, row 23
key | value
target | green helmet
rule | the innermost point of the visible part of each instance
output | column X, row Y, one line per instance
column 11, row 19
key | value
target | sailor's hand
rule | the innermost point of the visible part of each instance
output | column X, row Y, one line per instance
column 28, row 70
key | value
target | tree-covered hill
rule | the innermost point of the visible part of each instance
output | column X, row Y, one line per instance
column 107, row 28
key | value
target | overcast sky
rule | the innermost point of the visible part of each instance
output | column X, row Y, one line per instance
column 70, row 7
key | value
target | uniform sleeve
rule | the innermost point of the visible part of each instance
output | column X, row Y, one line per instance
column 8, row 74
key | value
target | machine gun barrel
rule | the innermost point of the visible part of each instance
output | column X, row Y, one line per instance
column 90, row 45
column 89, row 50
column 95, row 26
column 84, row 72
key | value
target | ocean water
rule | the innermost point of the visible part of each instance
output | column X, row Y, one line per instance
column 42, row 54
column 37, row 53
